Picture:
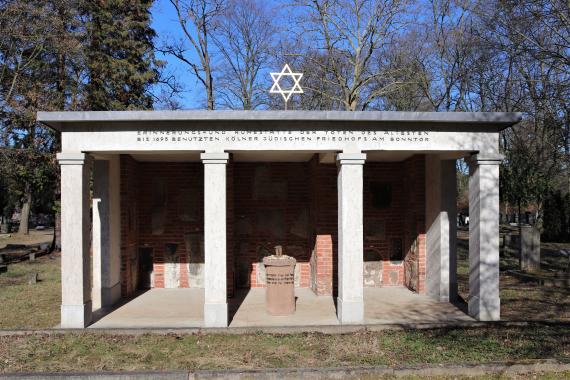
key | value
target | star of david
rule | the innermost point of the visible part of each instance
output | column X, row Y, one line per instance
column 286, row 93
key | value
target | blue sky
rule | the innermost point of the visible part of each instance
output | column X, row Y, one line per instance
column 165, row 23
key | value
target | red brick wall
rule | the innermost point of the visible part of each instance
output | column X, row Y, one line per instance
column 271, row 207
column 415, row 242
column 324, row 223
column 384, row 227
column 265, row 207
column 181, row 215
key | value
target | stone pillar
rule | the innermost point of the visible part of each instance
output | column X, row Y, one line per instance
column 350, row 301
column 75, row 277
column 106, row 233
column 484, row 301
column 215, row 300
column 449, row 203
column 441, row 235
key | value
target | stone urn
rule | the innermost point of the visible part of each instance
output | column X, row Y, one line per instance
column 280, row 279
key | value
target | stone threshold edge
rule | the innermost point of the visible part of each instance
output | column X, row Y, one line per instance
column 330, row 329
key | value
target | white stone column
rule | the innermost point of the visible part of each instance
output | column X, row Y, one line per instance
column 106, row 232
column 75, row 277
column 350, row 301
column 215, row 299
column 484, row 301
column 449, row 206
column 441, row 260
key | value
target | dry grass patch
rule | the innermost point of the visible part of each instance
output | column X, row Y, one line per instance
column 521, row 300
column 89, row 351
column 24, row 305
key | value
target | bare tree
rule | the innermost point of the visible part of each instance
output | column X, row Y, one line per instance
column 245, row 38
column 351, row 32
column 197, row 19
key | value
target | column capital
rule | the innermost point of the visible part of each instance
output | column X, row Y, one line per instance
column 351, row 158
column 487, row 159
column 72, row 158
column 215, row 158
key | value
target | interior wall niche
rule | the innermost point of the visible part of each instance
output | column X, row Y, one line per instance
column 381, row 195
column 396, row 250
column 158, row 213
column 146, row 255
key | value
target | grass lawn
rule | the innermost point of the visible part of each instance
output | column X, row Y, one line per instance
column 34, row 237
column 521, row 300
column 90, row 351
column 30, row 306
column 37, row 306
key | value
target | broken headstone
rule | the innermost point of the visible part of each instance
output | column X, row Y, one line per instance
column 33, row 278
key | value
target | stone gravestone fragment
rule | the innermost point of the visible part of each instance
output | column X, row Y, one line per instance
column 194, row 244
column 529, row 249
column 171, row 266
column 32, row 256
column 32, row 278
column 372, row 275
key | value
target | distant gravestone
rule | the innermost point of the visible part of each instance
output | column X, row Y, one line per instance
column 529, row 249
column 32, row 256
column 32, row 278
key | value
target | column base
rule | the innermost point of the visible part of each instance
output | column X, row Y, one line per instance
column 106, row 296
column 110, row 295
column 350, row 312
column 76, row 316
column 216, row 315
column 485, row 310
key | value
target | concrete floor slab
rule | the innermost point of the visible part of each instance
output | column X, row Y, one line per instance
column 158, row 308
column 183, row 308
column 311, row 310
column 400, row 305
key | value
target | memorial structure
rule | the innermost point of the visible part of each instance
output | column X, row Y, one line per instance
column 197, row 199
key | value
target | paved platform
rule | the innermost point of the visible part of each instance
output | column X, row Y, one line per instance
column 183, row 308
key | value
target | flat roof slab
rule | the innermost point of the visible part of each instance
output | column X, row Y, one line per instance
column 499, row 120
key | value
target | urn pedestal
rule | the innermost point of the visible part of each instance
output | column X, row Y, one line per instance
column 280, row 291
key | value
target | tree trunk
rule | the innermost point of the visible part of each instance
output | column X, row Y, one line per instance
column 25, row 214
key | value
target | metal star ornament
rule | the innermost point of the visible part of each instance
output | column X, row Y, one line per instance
column 286, row 93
